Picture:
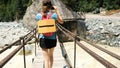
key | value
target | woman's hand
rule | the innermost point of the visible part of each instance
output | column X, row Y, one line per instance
column 56, row 9
column 60, row 20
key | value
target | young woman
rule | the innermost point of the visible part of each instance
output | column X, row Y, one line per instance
column 48, row 43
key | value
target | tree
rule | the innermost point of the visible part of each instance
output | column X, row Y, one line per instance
column 91, row 5
column 13, row 9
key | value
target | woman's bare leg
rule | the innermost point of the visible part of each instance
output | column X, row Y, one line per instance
column 51, row 57
column 46, row 57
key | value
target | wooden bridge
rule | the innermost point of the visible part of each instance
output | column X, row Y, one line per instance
column 59, row 60
column 60, row 56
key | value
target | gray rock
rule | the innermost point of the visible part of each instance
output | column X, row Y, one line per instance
column 104, row 30
column 11, row 31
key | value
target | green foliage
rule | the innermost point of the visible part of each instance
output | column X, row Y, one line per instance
column 91, row 5
column 11, row 10
column 111, row 4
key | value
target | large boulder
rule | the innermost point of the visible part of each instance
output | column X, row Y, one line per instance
column 29, row 17
column 67, row 15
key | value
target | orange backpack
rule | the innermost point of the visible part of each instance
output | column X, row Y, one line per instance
column 46, row 26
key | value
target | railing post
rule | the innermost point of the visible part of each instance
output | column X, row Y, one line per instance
column 75, row 52
column 23, row 44
column 35, row 41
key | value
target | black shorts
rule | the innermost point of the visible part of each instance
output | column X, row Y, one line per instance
column 47, row 43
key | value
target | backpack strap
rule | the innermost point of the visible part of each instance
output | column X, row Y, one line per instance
column 48, row 16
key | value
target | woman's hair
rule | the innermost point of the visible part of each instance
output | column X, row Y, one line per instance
column 44, row 9
column 48, row 4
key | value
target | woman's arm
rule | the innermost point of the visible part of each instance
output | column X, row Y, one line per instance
column 60, row 20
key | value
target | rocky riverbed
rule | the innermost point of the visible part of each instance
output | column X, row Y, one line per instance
column 103, row 29
column 10, row 32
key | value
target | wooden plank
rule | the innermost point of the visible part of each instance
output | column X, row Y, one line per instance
column 59, row 61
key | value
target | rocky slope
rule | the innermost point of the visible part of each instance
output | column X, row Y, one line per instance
column 104, row 29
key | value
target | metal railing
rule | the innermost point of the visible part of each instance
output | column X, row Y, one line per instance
column 76, row 40
column 59, row 27
column 21, row 42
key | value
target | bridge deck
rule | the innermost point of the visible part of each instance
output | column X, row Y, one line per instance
column 59, row 61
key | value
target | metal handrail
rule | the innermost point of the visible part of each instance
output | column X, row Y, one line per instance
column 78, row 38
column 74, row 44
column 17, row 42
column 9, row 46
column 73, row 36
column 22, row 40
